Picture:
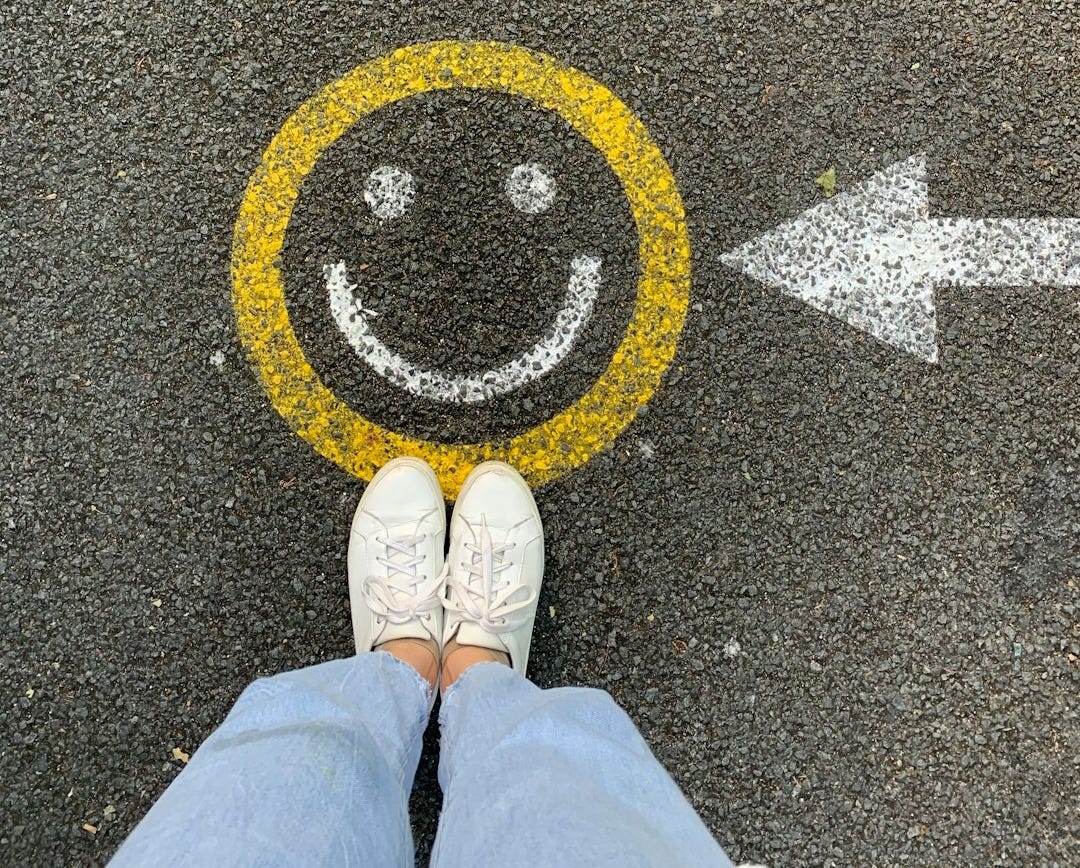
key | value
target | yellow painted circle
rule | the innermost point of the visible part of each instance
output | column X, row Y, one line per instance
column 571, row 437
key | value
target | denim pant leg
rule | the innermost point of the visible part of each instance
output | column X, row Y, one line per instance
column 561, row 777
column 311, row 767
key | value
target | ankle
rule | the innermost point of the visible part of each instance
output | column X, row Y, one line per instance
column 457, row 658
column 421, row 654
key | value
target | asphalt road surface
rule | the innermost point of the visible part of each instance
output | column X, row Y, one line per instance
column 833, row 583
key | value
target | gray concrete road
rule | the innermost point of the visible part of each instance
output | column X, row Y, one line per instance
column 834, row 584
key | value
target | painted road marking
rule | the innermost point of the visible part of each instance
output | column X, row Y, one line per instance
column 389, row 191
column 571, row 437
column 531, row 188
column 353, row 320
column 871, row 256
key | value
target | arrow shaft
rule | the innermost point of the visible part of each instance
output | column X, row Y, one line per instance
column 1004, row 252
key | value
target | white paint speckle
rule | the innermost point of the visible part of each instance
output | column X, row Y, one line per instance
column 646, row 448
column 531, row 188
column 732, row 648
column 217, row 358
column 353, row 320
column 389, row 191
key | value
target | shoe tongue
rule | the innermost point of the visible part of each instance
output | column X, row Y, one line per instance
column 398, row 532
column 413, row 629
column 471, row 634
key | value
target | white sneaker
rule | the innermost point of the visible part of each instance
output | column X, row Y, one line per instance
column 496, row 563
column 396, row 556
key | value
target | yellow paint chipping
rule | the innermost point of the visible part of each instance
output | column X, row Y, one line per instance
column 568, row 439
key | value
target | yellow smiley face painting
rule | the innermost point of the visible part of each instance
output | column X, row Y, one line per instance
column 570, row 437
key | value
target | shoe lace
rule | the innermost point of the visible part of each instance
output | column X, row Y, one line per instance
column 400, row 594
column 479, row 594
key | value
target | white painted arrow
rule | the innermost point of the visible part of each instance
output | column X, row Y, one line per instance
column 871, row 256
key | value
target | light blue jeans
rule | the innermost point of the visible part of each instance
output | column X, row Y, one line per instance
column 314, row 767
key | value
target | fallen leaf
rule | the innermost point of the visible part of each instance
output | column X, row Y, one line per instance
column 827, row 181
column 180, row 755
column 766, row 93
column 551, row 611
column 157, row 603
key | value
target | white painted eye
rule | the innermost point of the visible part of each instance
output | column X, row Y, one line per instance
column 530, row 188
column 389, row 191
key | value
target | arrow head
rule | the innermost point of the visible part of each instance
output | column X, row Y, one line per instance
column 859, row 257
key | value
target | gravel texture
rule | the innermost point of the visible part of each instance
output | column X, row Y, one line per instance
column 834, row 585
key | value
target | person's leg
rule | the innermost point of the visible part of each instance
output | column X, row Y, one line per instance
column 533, row 777
column 315, row 767
column 560, row 777
column 311, row 767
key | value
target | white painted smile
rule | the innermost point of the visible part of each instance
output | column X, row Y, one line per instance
column 389, row 192
column 354, row 321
